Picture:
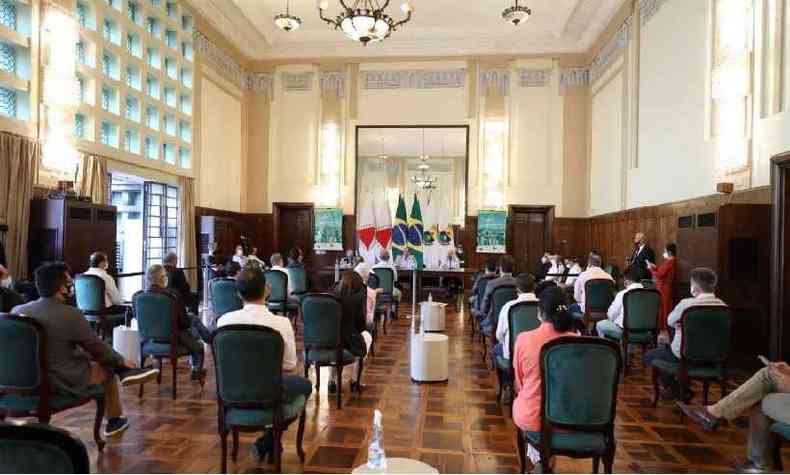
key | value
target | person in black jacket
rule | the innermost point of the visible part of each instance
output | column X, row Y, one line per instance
column 177, row 280
column 352, row 293
column 641, row 256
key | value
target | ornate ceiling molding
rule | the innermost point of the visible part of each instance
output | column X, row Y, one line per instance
column 261, row 83
column 413, row 79
column 297, row 81
column 648, row 9
column 498, row 78
column 534, row 77
column 611, row 50
column 333, row 82
column 574, row 77
column 218, row 59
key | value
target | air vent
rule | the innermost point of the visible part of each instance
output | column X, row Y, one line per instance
column 686, row 221
column 77, row 212
column 706, row 220
column 105, row 215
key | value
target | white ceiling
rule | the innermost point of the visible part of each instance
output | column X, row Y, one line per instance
column 408, row 142
column 437, row 28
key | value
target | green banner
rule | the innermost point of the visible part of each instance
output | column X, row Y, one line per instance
column 328, row 229
column 491, row 231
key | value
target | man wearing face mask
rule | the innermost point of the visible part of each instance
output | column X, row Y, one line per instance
column 641, row 256
column 9, row 298
column 703, row 285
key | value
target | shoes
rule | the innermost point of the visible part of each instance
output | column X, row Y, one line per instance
column 751, row 467
column 115, row 426
column 198, row 375
column 700, row 415
column 130, row 376
column 332, row 387
column 263, row 446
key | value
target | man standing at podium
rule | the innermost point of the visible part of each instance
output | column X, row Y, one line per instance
column 641, row 256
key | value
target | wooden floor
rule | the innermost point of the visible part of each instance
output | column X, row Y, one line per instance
column 456, row 427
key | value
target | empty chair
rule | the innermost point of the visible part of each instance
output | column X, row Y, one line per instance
column 224, row 296
column 89, row 293
column 583, row 426
column 41, row 448
column 248, row 361
column 278, row 298
column 24, row 377
column 387, row 285
column 298, row 276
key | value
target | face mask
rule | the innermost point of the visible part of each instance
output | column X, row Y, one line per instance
column 7, row 282
column 544, row 260
column 666, row 255
column 165, row 282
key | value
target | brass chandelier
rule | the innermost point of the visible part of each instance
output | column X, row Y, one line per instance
column 364, row 21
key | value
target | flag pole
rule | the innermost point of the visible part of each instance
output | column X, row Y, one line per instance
column 413, row 292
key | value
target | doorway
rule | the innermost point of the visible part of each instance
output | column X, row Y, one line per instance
column 529, row 234
column 293, row 227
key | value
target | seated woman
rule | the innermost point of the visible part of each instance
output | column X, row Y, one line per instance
column 555, row 322
column 356, row 337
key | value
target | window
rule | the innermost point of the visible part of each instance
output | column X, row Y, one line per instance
column 15, row 59
column 161, row 216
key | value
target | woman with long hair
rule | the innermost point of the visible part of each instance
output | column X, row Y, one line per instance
column 352, row 292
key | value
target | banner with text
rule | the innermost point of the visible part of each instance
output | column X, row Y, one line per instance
column 328, row 229
column 491, row 229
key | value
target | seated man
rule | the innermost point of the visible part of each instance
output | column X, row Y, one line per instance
column 99, row 263
column 767, row 396
column 239, row 256
column 385, row 263
column 9, row 298
column 525, row 286
column 348, row 261
column 593, row 271
column 574, row 269
column 506, row 265
column 480, row 283
column 232, row 270
column 76, row 357
column 613, row 326
column 177, row 280
column 703, row 285
column 254, row 290
column 190, row 329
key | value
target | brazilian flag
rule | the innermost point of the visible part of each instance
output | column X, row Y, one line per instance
column 400, row 230
column 415, row 232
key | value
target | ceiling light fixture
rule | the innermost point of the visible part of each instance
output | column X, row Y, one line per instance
column 365, row 20
column 286, row 21
column 517, row 14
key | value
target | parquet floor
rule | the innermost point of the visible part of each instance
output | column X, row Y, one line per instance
column 456, row 427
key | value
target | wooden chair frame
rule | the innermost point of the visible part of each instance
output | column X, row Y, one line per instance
column 388, row 297
column 103, row 328
column 44, row 412
column 594, row 314
column 510, row 372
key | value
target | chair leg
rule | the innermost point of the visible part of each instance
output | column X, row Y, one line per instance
column 656, row 389
column 300, row 436
column 384, row 320
column 140, row 391
column 235, row 453
column 317, row 377
column 608, row 462
column 522, row 450
column 278, row 448
column 174, row 362
column 499, row 380
column 340, row 387
column 161, row 367
column 97, row 424
column 596, row 462
column 223, row 442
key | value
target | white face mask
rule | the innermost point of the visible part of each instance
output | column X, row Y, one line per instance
column 7, row 282
column 544, row 259
column 666, row 255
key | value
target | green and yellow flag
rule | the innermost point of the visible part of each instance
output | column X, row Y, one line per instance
column 414, row 242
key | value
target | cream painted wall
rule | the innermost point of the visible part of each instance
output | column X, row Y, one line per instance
column 576, row 169
column 255, row 180
column 606, row 146
column 221, row 162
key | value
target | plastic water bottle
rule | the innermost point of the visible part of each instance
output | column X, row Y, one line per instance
column 377, row 460
column 430, row 297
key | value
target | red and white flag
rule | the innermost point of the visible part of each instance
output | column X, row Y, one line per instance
column 366, row 226
column 383, row 221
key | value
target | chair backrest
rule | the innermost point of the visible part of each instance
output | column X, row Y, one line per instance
column 248, row 361
column 89, row 291
column 501, row 295
column 156, row 315
column 279, row 282
column 584, row 366
column 481, row 288
column 322, row 315
column 386, row 278
column 298, row 277
column 641, row 308
column 22, row 360
column 373, row 281
column 41, row 448
column 522, row 317
column 598, row 294
column 706, row 334
column 225, row 296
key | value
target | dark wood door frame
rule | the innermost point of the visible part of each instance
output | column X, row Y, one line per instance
column 548, row 224
column 780, row 241
column 276, row 208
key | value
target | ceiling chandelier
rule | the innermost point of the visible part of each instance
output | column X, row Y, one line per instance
column 364, row 20
column 286, row 21
column 422, row 180
column 517, row 14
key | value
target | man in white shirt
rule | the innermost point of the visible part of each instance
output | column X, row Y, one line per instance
column 99, row 263
column 385, row 263
column 239, row 256
column 703, row 287
column 613, row 326
column 556, row 270
column 593, row 271
column 254, row 290
column 574, row 269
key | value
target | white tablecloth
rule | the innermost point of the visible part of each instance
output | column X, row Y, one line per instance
column 399, row 465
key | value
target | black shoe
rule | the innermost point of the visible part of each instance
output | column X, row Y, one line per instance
column 700, row 415
column 115, row 426
column 198, row 375
column 332, row 387
column 263, row 446
column 130, row 376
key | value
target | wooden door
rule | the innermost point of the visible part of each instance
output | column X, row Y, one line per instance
column 780, row 272
column 529, row 234
column 293, row 227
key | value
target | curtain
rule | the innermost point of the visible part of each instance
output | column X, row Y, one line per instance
column 93, row 179
column 19, row 159
column 186, row 233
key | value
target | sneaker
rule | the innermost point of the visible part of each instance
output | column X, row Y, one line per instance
column 130, row 376
column 115, row 426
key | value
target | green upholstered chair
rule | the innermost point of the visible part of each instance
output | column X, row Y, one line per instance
column 598, row 296
column 323, row 340
column 278, row 299
column 499, row 298
column 641, row 308
column 361, row 297
column 580, row 426
column 387, row 284
column 780, row 432
column 248, row 361
column 522, row 317
column 382, row 308
column 41, row 448
column 89, row 293
column 480, row 291
column 157, row 321
column 298, row 276
column 224, row 296
column 706, row 334
column 25, row 389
